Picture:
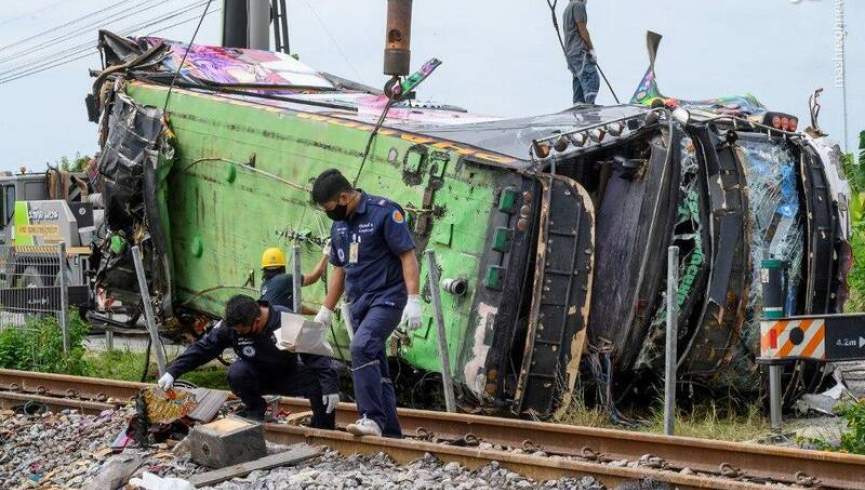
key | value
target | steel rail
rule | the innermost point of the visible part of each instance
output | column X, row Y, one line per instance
column 537, row 467
column 723, row 458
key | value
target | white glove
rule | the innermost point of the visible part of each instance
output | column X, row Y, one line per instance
column 593, row 56
column 165, row 382
column 324, row 316
column 330, row 402
column 325, row 250
column 411, row 312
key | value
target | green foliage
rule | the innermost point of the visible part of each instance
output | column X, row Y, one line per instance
column 126, row 365
column 856, row 279
column 77, row 164
column 38, row 346
column 852, row 439
column 855, row 172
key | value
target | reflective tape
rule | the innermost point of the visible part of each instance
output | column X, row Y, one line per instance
column 782, row 339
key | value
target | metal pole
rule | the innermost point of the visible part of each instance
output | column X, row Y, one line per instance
column 109, row 338
column 672, row 337
column 774, row 286
column 297, row 280
column 435, row 293
column 64, row 296
column 258, row 27
column 149, row 317
column 775, row 396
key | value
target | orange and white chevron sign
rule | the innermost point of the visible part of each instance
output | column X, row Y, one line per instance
column 781, row 339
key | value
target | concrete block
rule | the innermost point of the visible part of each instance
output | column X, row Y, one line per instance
column 225, row 442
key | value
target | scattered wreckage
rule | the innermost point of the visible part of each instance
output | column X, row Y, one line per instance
column 550, row 230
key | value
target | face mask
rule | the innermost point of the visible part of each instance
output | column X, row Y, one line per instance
column 338, row 213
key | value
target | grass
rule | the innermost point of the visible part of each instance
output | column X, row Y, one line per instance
column 126, row 365
column 706, row 421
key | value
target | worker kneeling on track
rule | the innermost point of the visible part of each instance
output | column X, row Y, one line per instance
column 373, row 255
column 261, row 368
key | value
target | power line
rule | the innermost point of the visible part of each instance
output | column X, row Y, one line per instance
column 66, row 24
column 30, row 14
column 90, row 52
column 332, row 39
column 90, row 49
column 52, row 57
column 83, row 30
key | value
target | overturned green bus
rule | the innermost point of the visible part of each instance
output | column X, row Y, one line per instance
column 554, row 227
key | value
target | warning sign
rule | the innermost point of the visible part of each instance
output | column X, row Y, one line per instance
column 40, row 230
column 823, row 338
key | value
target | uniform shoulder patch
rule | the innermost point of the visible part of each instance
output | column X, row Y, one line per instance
column 397, row 216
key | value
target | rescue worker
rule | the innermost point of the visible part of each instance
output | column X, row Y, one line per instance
column 374, row 261
column 261, row 368
column 277, row 287
column 580, row 53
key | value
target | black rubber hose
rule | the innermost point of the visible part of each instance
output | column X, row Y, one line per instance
column 146, row 360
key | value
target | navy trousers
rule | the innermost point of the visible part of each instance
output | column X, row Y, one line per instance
column 373, row 388
column 251, row 381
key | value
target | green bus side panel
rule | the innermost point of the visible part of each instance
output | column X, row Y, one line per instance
column 223, row 213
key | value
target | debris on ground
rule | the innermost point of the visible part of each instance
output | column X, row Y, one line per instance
column 69, row 449
column 72, row 450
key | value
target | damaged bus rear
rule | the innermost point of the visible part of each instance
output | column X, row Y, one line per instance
column 550, row 231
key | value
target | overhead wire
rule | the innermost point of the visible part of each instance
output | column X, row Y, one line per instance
column 84, row 30
column 84, row 50
column 332, row 39
column 16, row 18
column 84, row 54
column 65, row 24
column 93, row 43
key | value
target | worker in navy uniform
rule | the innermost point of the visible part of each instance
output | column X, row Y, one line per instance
column 373, row 258
column 261, row 368
column 277, row 287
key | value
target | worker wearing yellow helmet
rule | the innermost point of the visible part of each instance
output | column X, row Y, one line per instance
column 277, row 287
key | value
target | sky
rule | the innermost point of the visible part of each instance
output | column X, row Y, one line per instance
column 501, row 57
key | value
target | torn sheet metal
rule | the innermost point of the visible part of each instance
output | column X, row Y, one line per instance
column 691, row 235
column 129, row 165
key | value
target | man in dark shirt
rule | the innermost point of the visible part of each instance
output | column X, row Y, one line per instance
column 277, row 287
column 374, row 261
column 580, row 53
column 261, row 368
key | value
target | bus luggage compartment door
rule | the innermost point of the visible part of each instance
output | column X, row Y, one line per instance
column 560, row 300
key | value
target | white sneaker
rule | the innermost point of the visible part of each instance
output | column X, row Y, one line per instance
column 364, row 427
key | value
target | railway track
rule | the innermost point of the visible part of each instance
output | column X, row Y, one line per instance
column 611, row 456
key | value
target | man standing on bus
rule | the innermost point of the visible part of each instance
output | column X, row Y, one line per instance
column 374, row 261
column 580, row 53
